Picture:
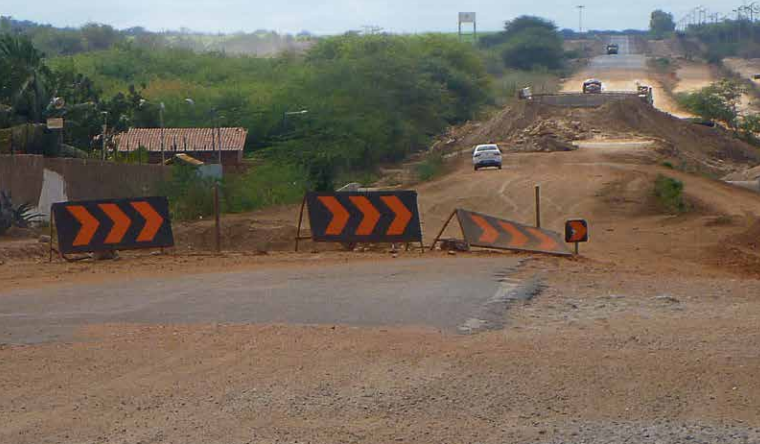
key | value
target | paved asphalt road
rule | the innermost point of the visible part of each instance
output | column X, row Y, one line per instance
column 441, row 293
column 627, row 58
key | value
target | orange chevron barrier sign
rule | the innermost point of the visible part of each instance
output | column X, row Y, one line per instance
column 376, row 216
column 481, row 230
column 113, row 224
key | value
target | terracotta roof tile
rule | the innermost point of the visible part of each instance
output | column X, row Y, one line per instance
column 180, row 139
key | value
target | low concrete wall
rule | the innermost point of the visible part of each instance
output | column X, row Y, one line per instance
column 43, row 181
column 572, row 100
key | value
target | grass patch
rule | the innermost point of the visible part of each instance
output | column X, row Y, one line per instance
column 365, row 178
column 669, row 194
column 263, row 186
column 662, row 64
column 191, row 196
column 431, row 166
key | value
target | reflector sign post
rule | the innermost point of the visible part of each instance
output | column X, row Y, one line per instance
column 576, row 231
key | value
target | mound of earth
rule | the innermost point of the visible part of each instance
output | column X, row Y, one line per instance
column 527, row 126
column 239, row 232
column 530, row 126
column 741, row 253
column 712, row 150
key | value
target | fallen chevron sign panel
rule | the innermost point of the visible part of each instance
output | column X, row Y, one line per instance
column 375, row 216
column 481, row 230
column 113, row 224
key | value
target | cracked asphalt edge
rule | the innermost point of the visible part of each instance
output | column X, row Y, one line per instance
column 492, row 314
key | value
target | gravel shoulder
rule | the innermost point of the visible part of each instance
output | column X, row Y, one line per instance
column 599, row 356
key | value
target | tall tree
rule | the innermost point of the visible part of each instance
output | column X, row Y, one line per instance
column 24, row 77
column 661, row 24
column 99, row 37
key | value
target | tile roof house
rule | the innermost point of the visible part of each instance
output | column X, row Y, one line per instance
column 196, row 142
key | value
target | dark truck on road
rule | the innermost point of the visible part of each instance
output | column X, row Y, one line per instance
column 612, row 48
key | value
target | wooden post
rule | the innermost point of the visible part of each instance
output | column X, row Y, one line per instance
column 217, row 227
column 538, row 206
column 440, row 233
column 576, row 248
column 50, row 241
column 300, row 219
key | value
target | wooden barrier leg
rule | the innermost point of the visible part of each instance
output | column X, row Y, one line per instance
column 300, row 219
column 50, row 241
column 538, row 206
column 440, row 233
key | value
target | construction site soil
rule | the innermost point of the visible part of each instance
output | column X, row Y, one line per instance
column 527, row 126
column 649, row 336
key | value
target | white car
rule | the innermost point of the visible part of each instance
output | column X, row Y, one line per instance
column 485, row 156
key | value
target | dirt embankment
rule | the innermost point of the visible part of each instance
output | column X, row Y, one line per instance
column 529, row 126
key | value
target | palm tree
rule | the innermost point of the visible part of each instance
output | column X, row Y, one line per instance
column 23, row 77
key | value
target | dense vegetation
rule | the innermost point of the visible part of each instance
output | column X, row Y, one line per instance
column 340, row 108
column 728, row 38
column 528, row 42
column 93, row 36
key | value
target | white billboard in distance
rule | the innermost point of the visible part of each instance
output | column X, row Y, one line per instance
column 466, row 17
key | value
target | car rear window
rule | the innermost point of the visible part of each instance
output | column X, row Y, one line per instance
column 487, row 148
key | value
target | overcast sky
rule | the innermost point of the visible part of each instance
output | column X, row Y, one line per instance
column 333, row 16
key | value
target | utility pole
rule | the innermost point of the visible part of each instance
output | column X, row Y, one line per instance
column 103, row 135
column 219, row 140
column 161, row 119
column 580, row 18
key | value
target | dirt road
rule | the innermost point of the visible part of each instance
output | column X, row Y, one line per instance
column 600, row 356
column 650, row 337
column 622, row 72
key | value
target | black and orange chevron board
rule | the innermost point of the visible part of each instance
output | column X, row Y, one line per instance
column 481, row 230
column 113, row 224
column 376, row 216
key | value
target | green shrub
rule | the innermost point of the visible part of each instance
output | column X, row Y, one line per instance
column 190, row 196
column 264, row 185
column 662, row 64
column 431, row 167
column 717, row 102
column 669, row 194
